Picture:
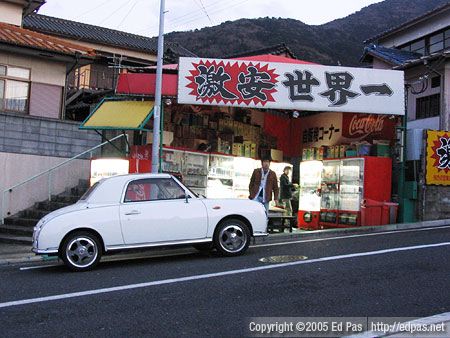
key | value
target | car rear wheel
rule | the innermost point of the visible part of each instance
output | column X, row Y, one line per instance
column 232, row 237
column 81, row 251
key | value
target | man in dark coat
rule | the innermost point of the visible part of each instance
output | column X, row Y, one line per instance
column 286, row 191
column 263, row 183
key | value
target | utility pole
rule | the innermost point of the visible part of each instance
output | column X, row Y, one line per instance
column 157, row 107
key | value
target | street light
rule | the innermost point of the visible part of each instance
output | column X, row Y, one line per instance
column 157, row 107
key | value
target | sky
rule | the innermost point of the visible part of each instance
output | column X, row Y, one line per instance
column 142, row 16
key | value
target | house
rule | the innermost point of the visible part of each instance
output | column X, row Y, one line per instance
column 116, row 52
column 421, row 48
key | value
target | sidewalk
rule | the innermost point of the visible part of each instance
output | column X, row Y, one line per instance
column 14, row 253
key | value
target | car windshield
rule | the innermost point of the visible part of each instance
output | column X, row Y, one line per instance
column 193, row 193
column 89, row 191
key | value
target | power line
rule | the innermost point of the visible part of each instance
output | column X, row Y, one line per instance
column 126, row 15
column 194, row 15
column 91, row 10
column 204, row 10
column 213, row 12
column 114, row 12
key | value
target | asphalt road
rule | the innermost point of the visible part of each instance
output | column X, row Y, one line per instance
column 402, row 274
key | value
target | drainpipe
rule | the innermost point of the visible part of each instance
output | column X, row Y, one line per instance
column 444, row 119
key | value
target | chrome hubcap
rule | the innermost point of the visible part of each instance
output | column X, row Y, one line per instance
column 81, row 252
column 232, row 238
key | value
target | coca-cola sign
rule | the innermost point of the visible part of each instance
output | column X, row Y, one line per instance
column 363, row 126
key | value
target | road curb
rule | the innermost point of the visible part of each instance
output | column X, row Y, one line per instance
column 340, row 231
column 28, row 257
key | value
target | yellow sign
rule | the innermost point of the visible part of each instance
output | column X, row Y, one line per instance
column 438, row 157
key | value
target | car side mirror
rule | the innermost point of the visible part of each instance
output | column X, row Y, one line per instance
column 186, row 197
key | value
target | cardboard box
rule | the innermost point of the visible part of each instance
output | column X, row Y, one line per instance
column 167, row 138
column 247, row 149
column 276, row 155
column 253, row 150
column 237, row 149
column 337, row 153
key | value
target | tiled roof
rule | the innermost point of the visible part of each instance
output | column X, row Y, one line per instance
column 410, row 22
column 18, row 36
column 392, row 56
column 105, row 36
column 279, row 49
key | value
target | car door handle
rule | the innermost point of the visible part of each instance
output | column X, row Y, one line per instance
column 133, row 212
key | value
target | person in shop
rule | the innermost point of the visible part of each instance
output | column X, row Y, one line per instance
column 264, row 184
column 286, row 188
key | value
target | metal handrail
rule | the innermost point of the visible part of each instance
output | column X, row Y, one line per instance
column 49, row 172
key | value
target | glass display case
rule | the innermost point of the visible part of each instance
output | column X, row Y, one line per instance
column 172, row 160
column 351, row 184
column 195, row 171
column 329, row 204
column 220, row 177
column 243, row 170
column 310, row 183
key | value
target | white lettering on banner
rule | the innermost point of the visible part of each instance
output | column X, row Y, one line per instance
column 293, row 86
column 364, row 126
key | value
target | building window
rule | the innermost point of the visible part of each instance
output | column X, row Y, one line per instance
column 447, row 38
column 14, row 88
column 418, row 47
column 428, row 106
column 435, row 82
column 436, row 43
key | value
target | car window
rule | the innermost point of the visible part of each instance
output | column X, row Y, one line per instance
column 153, row 189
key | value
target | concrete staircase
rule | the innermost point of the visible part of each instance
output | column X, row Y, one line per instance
column 18, row 229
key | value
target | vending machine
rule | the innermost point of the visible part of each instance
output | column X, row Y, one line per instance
column 309, row 195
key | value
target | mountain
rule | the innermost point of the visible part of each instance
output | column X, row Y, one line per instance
column 336, row 42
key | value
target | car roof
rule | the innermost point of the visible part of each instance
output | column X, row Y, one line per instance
column 110, row 189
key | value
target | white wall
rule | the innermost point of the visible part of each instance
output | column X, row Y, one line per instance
column 43, row 71
column 112, row 50
column 10, row 13
column 16, row 168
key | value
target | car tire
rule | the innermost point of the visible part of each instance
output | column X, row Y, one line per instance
column 231, row 237
column 203, row 247
column 81, row 251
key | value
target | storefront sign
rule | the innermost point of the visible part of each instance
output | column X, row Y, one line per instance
column 328, row 129
column 438, row 157
column 290, row 86
column 107, row 167
column 363, row 126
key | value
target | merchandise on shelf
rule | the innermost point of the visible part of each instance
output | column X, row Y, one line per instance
column 344, row 184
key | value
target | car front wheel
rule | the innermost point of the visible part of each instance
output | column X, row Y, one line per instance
column 232, row 237
column 81, row 251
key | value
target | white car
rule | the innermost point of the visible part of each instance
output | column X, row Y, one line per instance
column 146, row 210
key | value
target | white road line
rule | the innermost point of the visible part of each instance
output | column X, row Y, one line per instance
column 213, row 275
column 348, row 236
column 270, row 244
